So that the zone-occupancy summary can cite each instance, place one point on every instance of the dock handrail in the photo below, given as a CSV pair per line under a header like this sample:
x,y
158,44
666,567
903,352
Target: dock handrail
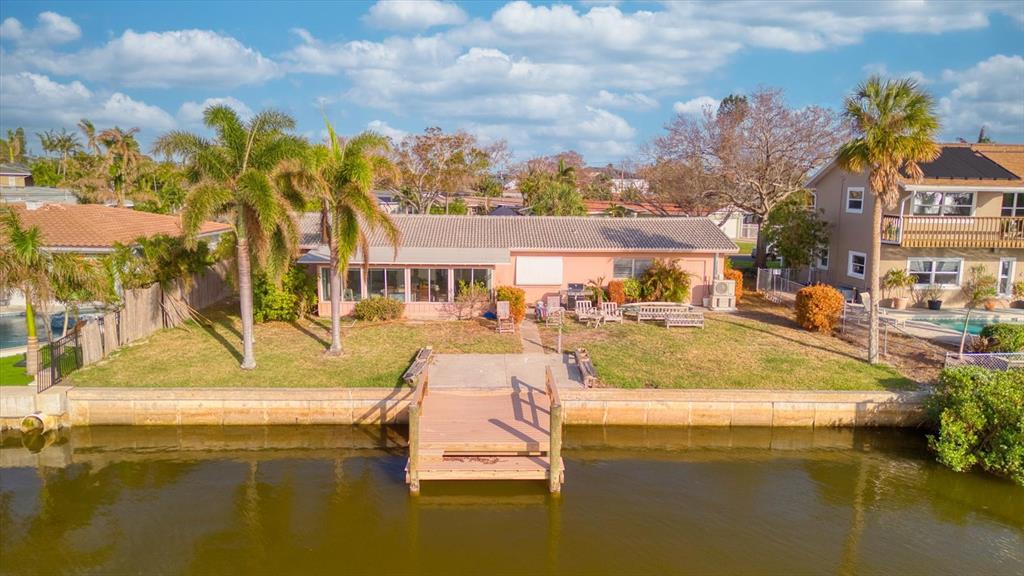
x,y
415,410
555,449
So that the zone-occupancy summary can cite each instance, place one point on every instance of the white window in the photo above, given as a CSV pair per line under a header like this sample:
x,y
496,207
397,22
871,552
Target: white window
x,y
856,264
629,267
539,270
1013,204
940,271
943,204
855,200
821,260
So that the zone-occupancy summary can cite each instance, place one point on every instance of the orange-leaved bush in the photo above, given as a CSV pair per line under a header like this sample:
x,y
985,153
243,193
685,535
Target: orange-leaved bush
x,y
818,307
617,292
517,301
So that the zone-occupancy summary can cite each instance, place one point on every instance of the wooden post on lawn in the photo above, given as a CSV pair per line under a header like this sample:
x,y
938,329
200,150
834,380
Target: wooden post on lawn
x,y
555,423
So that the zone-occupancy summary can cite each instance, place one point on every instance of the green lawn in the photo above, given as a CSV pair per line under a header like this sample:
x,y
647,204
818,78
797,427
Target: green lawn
x,y
287,354
11,375
758,351
745,247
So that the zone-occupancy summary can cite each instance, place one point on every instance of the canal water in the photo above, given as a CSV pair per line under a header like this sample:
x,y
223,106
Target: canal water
x,y
318,500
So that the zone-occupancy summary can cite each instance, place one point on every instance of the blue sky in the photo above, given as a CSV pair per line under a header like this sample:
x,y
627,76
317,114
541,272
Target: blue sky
x,y
601,78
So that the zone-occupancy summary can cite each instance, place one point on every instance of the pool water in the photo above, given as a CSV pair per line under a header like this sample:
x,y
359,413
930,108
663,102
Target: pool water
x,y
974,326
317,500
12,328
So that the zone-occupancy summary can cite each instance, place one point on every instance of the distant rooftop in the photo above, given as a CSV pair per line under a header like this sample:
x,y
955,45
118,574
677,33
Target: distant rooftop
x,y
96,228
965,163
11,194
14,169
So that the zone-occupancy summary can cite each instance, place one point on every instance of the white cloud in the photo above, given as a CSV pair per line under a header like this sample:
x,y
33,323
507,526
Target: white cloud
x,y
191,113
990,94
52,29
881,69
695,106
414,14
157,59
382,127
628,101
36,101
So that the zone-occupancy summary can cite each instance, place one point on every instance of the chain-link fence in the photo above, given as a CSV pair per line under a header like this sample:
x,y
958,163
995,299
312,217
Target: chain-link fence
x,y
996,361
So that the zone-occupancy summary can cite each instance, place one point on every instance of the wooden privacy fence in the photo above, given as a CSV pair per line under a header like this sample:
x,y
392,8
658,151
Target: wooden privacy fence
x,y
146,310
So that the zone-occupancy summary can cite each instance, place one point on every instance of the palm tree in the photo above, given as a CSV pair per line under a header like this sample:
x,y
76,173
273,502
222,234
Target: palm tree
x,y
121,161
65,143
92,144
895,126
39,274
230,176
342,174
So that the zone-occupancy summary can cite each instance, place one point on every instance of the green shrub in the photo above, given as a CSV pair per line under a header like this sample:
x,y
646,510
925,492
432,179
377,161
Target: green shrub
x,y
294,296
517,301
633,289
819,307
664,281
617,292
377,308
1002,338
980,414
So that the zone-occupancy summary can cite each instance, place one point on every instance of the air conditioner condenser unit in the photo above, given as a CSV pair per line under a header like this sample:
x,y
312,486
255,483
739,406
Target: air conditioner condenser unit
x,y
723,295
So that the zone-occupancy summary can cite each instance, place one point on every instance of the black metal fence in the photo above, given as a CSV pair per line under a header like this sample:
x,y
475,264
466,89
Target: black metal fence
x,y
58,359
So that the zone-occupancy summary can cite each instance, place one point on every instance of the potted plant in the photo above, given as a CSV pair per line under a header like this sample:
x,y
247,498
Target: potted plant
x,y
1018,294
898,281
932,296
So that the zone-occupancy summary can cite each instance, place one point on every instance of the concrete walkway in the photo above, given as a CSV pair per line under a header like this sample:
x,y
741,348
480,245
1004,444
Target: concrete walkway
x,y
502,370
529,335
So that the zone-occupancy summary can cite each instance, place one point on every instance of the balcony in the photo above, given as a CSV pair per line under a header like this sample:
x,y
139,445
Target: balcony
x,y
953,231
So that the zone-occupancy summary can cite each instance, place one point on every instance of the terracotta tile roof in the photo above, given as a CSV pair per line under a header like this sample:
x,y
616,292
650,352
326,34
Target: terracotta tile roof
x,y
94,226
555,233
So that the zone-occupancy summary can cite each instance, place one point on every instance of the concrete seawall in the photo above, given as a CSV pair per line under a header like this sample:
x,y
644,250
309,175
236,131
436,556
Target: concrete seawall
x,y
261,406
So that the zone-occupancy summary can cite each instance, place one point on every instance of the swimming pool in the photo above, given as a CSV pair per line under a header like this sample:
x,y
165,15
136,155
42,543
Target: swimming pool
x,y
974,326
12,328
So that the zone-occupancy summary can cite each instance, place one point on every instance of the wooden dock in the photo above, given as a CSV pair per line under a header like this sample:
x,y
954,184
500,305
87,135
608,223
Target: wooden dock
x,y
485,434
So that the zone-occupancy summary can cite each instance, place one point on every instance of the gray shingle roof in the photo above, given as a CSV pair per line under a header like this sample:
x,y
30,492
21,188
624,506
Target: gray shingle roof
x,y
559,233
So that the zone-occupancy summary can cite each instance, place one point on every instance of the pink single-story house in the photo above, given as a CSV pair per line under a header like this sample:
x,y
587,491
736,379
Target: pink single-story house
x,y
540,254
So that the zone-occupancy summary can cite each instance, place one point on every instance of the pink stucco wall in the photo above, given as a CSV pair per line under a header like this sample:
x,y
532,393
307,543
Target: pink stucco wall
x,y
576,268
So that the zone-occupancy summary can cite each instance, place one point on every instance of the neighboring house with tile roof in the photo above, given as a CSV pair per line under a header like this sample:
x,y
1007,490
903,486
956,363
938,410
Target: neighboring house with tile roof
x,y
967,210
541,254
95,229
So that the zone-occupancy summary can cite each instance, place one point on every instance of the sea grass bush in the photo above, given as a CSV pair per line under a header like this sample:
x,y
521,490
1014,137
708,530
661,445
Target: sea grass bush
x,y
1002,338
819,307
980,418
378,308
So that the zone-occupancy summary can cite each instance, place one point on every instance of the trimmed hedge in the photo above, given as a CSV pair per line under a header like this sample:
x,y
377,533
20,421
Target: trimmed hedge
x,y
633,289
378,308
517,301
737,277
1003,338
819,307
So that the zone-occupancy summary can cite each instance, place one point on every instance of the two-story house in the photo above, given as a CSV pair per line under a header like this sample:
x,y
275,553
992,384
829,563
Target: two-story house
x,y
968,210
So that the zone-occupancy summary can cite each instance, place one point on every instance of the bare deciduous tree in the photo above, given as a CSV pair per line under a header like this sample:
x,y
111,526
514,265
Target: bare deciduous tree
x,y
750,154
433,166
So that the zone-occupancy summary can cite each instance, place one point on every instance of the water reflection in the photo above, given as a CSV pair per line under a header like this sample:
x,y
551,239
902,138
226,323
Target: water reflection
x,y
312,500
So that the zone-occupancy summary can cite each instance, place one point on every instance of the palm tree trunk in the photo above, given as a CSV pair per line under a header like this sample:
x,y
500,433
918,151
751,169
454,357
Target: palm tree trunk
x,y
64,328
874,270
335,348
245,302
31,342
963,336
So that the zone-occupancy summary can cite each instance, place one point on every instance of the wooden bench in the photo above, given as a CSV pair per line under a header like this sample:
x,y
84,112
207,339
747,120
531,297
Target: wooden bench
x,y
691,318
418,367
659,312
586,366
